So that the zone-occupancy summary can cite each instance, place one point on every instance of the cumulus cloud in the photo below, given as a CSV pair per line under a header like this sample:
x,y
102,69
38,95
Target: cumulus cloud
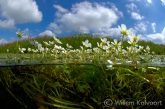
x,y
115,9
112,32
60,10
134,0
25,33
86,16
158,38
131,7
163,2
53,26
153,25
149,1
3,41
133,10
140,27
19,11
136,16
163,32
46,33
7,23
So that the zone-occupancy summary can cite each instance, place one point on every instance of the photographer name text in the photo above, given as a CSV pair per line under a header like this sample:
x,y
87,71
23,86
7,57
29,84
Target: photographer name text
x,y
138,102
109,102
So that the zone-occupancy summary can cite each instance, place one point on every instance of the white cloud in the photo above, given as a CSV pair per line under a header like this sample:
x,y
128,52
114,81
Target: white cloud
x,y
133,0
158,38
26,31
153,25
7,23
141,27
19,11
25,34
25,37
112,32
46,33
53,26
3,41
136,16
163,32
149,1
131,7
163,2
88,17
61,9
115,9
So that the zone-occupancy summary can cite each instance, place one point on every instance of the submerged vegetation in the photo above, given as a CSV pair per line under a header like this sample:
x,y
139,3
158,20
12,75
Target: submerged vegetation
x,y
84,72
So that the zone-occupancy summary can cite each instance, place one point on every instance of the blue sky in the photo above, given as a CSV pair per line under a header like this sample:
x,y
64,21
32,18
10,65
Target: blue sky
x,y
98,17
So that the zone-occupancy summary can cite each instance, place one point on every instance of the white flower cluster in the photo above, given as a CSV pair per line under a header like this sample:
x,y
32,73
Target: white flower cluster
x,y
105,50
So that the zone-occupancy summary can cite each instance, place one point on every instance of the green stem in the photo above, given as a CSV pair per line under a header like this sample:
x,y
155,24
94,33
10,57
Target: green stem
x,y
121,49
136,74
17,51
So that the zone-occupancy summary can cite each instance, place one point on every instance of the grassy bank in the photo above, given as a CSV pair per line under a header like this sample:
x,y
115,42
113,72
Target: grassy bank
x,y
76,41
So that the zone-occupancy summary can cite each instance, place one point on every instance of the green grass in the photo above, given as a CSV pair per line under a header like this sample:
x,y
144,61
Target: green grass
x,y
76,41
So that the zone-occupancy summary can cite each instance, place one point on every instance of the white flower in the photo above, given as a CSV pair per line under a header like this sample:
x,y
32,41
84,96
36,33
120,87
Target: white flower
x,y
61,48
46,43
132,43
147,50
57,40
22,49
87,44
33,50
29,49
41,49
46,49
39,45
111,63
116,44
106,47
133,37
68,46
51,42
56,46
99,45
64,52
96,50
141,47
81,48
123,30
19,33
104,41
88,51
36,43
7,50
128,62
